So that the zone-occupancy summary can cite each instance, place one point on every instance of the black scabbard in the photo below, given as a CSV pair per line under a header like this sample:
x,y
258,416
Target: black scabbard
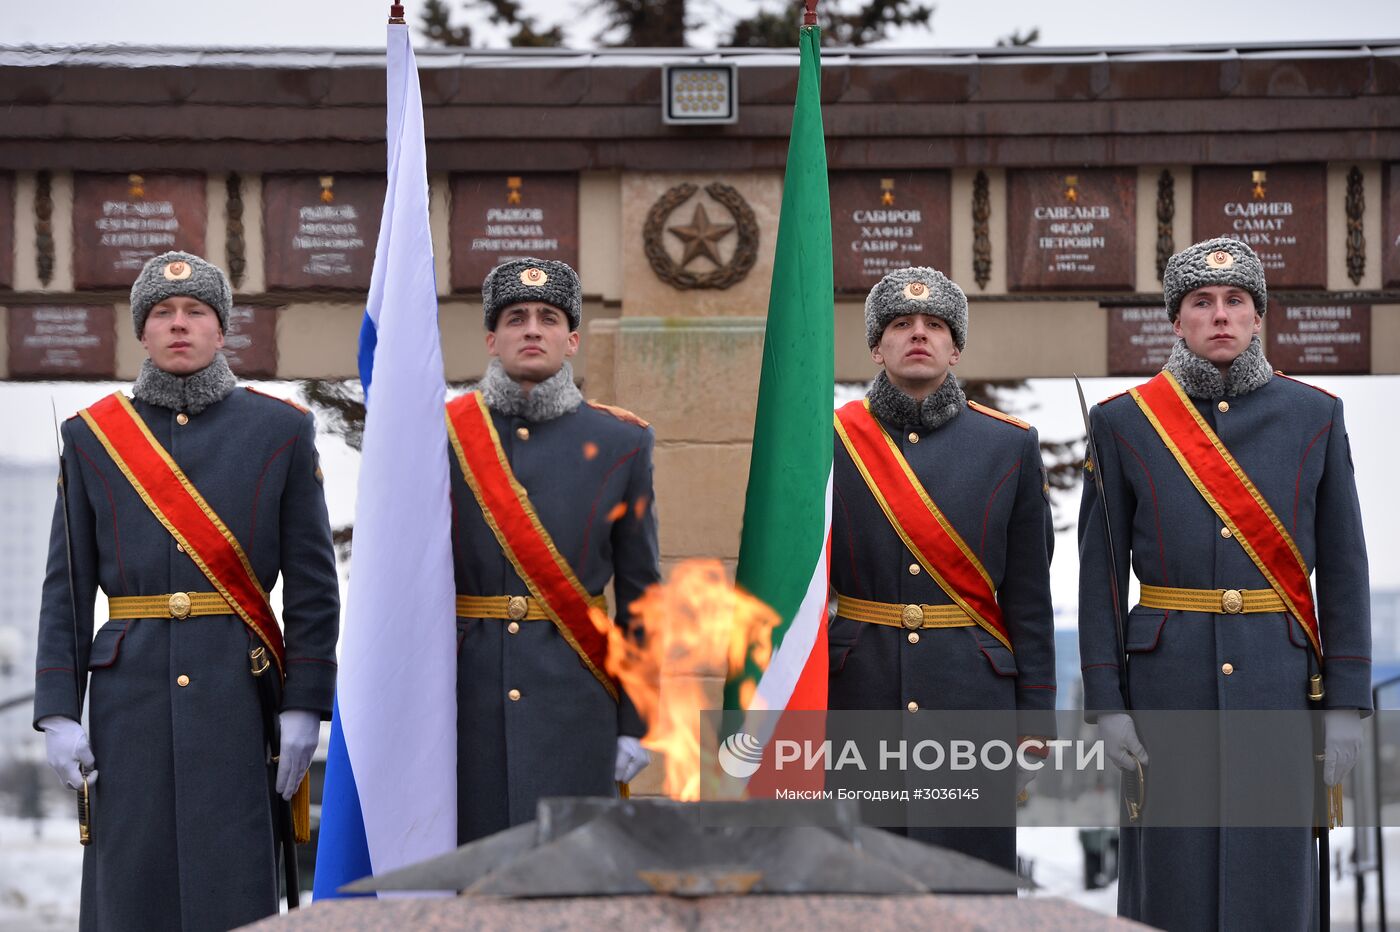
x,y
270,703
79,673
1138,781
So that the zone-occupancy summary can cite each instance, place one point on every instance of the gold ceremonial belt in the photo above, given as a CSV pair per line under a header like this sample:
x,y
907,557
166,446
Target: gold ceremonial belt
x,y
1219,601
902,616
512,607
177,605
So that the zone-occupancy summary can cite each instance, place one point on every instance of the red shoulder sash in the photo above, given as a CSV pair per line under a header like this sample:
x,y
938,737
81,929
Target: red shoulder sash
x,y
506,507
177,504
1230,493
949,561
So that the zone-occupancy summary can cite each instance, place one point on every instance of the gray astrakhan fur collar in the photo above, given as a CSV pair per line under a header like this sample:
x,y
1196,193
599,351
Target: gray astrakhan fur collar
x,y
1200,379
894,407
552,398
191,393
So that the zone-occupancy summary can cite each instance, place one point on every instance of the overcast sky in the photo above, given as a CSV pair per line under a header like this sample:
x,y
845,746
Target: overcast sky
x,y
956,23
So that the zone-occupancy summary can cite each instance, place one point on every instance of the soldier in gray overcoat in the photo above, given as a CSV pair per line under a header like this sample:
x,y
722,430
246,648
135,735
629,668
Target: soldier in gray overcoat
x,y
178,762
983,471
1290,439
532,719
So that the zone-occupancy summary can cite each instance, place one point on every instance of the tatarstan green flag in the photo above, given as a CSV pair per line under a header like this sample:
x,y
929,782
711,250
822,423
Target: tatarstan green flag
x,y
784,553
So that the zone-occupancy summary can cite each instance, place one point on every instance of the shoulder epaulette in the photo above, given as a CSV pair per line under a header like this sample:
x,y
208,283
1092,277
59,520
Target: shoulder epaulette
x,y
622,414
1308,384
993,412
1111,397
285,401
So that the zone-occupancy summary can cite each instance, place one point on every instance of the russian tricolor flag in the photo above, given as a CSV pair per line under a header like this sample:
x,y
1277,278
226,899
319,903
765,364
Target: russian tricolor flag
x,y
390,796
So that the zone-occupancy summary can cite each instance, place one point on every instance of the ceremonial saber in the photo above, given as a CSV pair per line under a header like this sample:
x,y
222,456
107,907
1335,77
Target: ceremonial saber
x,y
1136,800
84,796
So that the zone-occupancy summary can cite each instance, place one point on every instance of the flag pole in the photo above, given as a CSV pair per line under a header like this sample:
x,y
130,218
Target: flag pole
x,y
396,14
809,18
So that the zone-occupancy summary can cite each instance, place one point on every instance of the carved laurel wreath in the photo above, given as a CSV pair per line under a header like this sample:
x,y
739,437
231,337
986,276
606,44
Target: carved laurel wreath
x,y
666,268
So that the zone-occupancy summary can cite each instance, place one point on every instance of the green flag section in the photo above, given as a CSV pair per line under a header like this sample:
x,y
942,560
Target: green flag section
x,y
784,553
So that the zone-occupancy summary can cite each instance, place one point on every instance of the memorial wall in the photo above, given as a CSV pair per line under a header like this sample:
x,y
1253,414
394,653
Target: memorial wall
x,y
1071,240
1052,185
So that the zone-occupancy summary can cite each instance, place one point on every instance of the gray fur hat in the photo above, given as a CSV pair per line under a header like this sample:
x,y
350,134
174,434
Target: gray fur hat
x,y
180,273
916,290
529,279
1219,261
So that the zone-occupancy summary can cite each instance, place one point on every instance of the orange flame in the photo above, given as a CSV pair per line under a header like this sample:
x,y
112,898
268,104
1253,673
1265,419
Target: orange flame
x,y
698,630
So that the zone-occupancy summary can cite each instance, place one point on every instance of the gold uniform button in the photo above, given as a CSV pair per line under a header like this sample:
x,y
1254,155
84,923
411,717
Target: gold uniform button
x,y
913,706
913,637
180,547
914,569
913,437
1227,668
182,419
182,680
513,627
523,433
1225,533
1223,407
514,695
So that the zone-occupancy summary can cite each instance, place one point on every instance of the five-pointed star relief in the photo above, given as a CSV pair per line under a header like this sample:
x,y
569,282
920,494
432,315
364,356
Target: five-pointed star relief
x,y
701,236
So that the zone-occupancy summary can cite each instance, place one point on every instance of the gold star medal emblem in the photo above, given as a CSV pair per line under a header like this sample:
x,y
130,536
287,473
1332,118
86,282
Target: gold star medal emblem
x,y
533,277
917,291
177,271
1220,259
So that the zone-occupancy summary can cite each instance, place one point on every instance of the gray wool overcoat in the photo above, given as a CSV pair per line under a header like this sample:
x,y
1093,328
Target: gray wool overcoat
x,y
985,475
588,475
1291,439
182,818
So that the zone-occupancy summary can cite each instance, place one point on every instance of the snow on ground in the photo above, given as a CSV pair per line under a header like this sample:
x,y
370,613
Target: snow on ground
x,y
40,874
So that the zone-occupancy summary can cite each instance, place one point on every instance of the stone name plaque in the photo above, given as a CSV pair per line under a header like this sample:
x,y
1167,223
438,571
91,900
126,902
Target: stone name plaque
x,y
320,230
498,217
1139,340
120,221
7,230
63,342
881,221
250,345
1071,229
1319,339
1279,210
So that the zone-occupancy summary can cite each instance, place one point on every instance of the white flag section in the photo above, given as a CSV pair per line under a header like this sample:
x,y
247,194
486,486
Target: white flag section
x,y
391,781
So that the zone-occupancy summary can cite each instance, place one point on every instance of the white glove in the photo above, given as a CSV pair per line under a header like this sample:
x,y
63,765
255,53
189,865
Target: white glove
x,y
301,730
1342,728
69,753
1024,778
1120,740
631,758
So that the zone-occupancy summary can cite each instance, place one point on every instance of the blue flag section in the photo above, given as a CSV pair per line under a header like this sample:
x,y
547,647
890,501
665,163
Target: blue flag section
x,y
390,795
